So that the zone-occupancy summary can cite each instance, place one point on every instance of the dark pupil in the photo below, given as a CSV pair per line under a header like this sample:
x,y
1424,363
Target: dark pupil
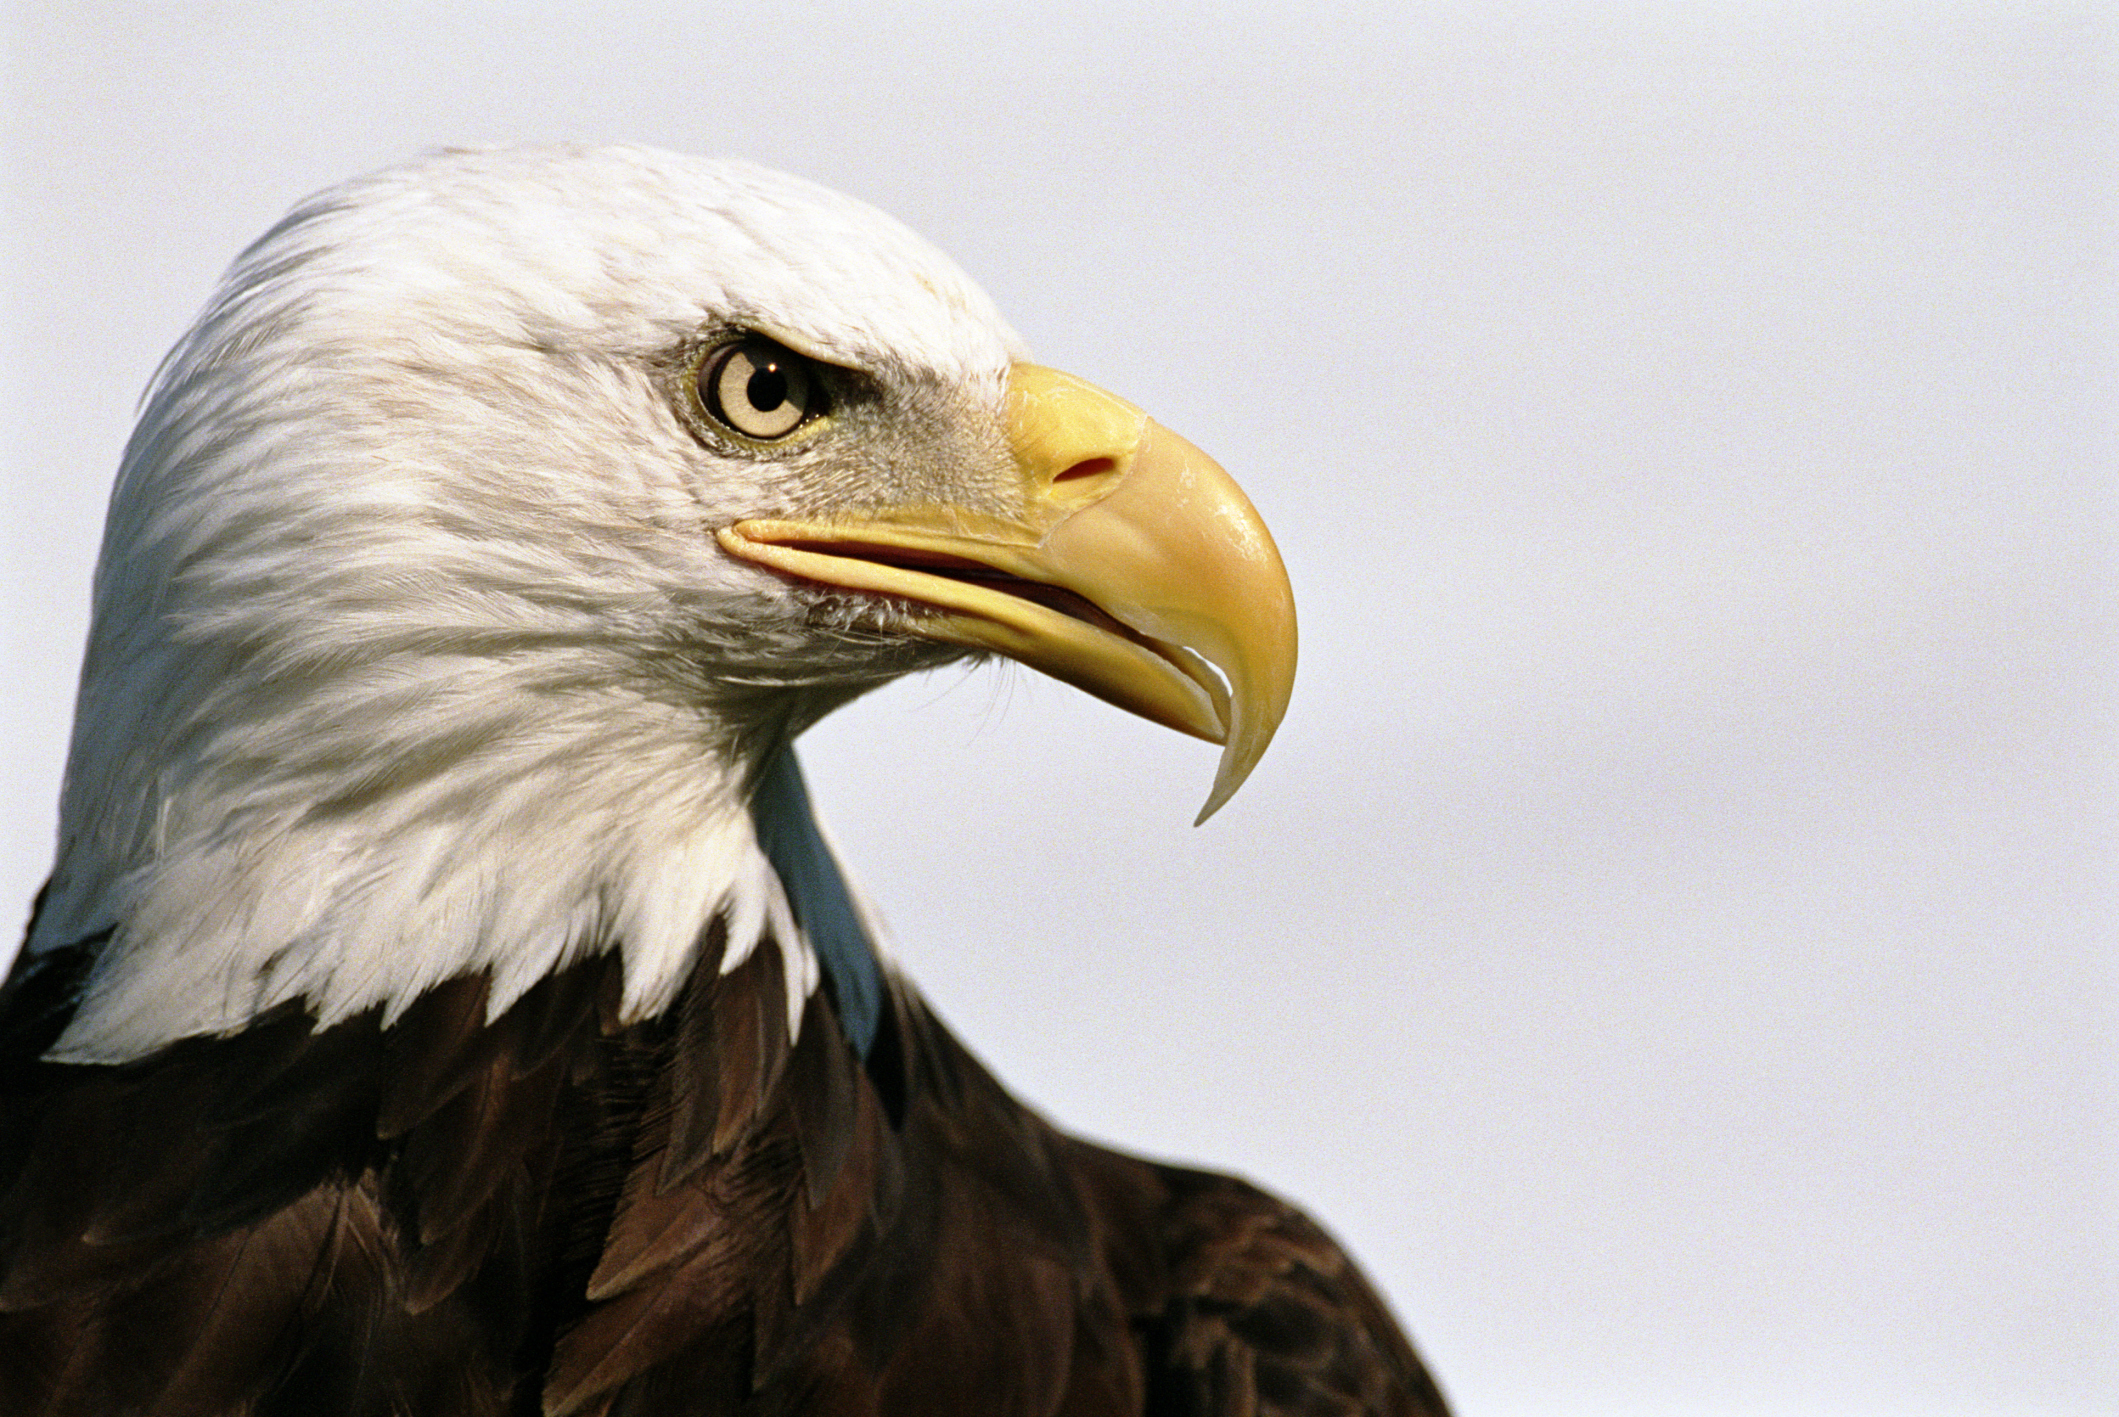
x,y
767,389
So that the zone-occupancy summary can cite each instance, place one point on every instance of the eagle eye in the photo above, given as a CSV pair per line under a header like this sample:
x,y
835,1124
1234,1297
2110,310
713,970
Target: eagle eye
x,y
759,389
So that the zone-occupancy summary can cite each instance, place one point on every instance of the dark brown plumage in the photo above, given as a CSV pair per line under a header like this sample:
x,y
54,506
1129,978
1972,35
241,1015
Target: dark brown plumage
x,y
556,1214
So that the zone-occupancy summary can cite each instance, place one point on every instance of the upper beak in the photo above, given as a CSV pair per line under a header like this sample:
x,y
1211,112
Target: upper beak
x,y
1132,564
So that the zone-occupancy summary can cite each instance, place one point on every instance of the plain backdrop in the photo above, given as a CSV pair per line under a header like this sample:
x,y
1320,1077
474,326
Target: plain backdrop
x,y
1672,940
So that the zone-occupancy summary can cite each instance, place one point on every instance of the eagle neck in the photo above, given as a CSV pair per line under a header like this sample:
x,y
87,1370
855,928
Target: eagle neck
x,y
608,835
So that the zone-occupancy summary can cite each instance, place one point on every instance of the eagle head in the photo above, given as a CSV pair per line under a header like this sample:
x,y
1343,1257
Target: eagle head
x,y
505,514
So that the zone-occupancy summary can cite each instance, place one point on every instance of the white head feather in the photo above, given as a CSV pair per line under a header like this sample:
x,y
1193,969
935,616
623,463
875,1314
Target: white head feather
x,y
413,651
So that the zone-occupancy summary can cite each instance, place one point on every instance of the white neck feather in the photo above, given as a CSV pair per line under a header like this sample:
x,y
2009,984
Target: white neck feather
x,y
513,860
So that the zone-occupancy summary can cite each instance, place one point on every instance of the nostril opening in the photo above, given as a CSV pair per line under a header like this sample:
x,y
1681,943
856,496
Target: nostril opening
x,y
1087,467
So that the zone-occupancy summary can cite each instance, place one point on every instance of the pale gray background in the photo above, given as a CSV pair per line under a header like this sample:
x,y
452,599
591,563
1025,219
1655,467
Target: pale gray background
x,y
1672,938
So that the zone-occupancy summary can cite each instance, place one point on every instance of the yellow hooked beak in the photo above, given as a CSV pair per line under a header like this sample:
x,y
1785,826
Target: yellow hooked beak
x,y
1133,564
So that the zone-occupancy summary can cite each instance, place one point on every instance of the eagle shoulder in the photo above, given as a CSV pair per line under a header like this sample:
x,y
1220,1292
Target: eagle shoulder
x,y
553,1211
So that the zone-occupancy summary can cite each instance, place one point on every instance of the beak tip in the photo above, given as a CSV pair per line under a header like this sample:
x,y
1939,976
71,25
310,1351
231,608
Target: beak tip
x,y
1244,746
1225,785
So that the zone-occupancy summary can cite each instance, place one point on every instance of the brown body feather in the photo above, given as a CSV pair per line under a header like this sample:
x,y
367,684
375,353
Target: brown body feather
x,y
554,1214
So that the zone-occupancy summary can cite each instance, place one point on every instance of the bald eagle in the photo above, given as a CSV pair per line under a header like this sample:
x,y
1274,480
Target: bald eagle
x,y
443,1001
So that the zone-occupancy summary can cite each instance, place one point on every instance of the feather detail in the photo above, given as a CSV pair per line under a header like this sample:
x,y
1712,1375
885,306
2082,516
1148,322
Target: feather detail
x,y
855,1203
821,1083
695,1082
430,1052
239,1296
750,1035
1267,1315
